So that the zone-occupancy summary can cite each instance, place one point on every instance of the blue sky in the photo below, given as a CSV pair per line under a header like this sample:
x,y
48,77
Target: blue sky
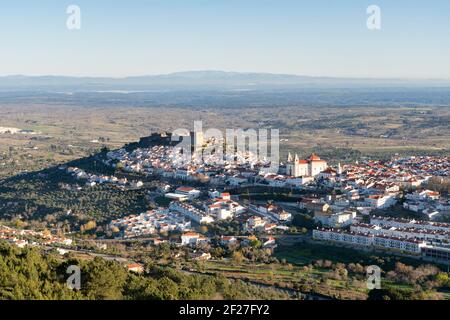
x,y
138,37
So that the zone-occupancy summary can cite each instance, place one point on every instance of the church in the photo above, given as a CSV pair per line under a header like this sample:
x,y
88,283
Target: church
x,y
310,167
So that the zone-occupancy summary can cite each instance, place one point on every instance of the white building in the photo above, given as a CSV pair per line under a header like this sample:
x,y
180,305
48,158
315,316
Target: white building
x,y
298,181
381,201
192,239
402,244
177,197
255,222
310,167
274,211
335,220
191,193
341,236
193,213
410,223
224,209
408,233
410,246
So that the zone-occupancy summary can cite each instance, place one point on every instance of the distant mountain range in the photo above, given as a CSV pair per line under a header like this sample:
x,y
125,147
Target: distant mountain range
x,y
203,80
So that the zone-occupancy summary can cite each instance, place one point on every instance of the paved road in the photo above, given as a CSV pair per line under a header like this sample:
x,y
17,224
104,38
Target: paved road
x,y
93,254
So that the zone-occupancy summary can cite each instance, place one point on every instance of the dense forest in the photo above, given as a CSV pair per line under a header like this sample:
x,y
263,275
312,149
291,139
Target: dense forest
x,y
27,274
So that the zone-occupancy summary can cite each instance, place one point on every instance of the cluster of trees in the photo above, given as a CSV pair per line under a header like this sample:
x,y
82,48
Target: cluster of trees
x,y
254,255
439,184
225,228
404,282
422,277
26,274
39,197
303,220
392,293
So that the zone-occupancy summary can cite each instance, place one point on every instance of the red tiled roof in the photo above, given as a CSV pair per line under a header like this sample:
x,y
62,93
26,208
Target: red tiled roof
x,y
191,234
185,189
314,157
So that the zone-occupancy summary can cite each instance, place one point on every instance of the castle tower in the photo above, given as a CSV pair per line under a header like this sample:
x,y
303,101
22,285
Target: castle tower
x,y
197,139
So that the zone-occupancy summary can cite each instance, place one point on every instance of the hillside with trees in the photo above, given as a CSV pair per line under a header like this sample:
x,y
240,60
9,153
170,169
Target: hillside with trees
x,y
27,274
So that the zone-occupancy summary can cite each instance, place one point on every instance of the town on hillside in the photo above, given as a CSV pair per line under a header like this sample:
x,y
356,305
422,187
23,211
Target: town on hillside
x,y
386,206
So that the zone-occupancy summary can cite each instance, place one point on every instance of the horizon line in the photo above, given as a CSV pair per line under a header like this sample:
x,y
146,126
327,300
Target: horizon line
x,y
226,72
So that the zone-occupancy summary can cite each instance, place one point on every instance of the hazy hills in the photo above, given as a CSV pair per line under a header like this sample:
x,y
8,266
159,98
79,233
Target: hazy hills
x,y
221,89
203,80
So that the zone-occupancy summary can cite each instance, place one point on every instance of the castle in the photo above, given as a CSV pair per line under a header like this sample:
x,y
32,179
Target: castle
x,y
310,167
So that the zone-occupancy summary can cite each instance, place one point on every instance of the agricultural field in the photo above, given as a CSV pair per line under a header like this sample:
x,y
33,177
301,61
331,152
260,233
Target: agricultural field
x,y
57,133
